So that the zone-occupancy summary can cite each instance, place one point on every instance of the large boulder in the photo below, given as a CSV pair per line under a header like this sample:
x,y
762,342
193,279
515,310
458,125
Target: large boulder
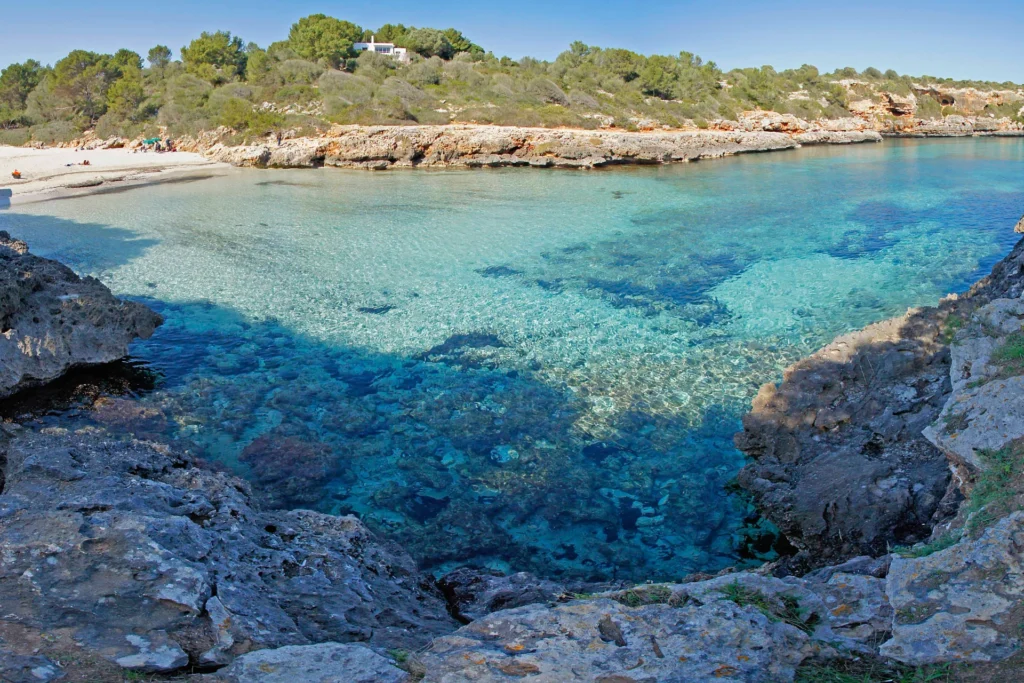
x,y
985,410
51,320
136,556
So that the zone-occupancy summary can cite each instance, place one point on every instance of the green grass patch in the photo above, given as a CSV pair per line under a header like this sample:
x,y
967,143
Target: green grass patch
x,y
1009,357
925,549
950,326
785,609
956,422
645,595
870,671
999,488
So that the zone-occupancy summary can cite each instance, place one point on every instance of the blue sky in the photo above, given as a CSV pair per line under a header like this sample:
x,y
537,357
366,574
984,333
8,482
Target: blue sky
x,y
978,40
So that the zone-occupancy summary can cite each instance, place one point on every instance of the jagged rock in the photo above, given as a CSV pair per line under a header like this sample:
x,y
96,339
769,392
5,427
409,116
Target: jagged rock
x,y
132,553
725,628
322,663
985,410
949,126
52,320
854,594
474,593
839,461
963,603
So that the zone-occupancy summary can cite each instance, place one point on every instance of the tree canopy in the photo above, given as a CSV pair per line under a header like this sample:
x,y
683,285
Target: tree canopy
x,y
215,56
320,37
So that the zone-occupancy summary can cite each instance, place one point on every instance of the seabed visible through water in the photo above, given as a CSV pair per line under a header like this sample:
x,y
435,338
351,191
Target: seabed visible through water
x,y
526,370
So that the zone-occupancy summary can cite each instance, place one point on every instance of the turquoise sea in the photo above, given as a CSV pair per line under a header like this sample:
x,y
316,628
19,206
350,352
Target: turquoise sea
x,y
522,369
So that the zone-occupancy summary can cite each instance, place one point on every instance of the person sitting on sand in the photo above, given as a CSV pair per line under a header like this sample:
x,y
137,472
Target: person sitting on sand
x,y
16,174
85,162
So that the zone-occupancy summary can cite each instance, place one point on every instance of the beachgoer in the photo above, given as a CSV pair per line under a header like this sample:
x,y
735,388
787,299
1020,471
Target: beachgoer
x,y
85,163
16,174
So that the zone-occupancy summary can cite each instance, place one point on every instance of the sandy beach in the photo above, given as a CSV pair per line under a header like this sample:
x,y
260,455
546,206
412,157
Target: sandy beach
x,y
50,172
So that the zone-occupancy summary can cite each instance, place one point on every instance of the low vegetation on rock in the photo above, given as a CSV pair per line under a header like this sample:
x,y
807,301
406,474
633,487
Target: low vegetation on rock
x,y
317,77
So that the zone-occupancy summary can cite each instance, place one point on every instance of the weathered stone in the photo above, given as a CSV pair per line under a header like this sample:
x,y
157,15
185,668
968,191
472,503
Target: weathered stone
x,y
985,410
153,653
132,553
474,593
964,603
741,627
322,663
52,320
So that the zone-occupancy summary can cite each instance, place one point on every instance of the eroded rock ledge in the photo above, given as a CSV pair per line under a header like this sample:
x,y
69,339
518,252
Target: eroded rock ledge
x,y
382,147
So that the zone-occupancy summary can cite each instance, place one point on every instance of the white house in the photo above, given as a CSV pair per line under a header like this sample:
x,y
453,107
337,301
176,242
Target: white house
x,y
399,53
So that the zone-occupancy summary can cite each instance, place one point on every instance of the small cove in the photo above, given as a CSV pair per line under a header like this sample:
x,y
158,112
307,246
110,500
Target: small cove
x,y
528,370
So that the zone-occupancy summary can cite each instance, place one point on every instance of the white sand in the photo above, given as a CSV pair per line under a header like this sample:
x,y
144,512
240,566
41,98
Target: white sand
x,y
45,172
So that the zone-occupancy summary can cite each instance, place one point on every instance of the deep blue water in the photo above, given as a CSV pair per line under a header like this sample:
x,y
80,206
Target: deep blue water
x,y
523,369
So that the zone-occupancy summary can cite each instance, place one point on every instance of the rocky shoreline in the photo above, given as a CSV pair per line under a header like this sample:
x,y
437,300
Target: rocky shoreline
x,y
891,459
475,146
386,147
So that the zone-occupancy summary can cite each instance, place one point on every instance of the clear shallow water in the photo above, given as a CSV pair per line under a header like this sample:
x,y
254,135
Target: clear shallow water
x,y
524,369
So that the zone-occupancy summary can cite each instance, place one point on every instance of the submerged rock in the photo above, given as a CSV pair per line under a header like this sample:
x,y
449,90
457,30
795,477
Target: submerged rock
x,y
132,553
51,320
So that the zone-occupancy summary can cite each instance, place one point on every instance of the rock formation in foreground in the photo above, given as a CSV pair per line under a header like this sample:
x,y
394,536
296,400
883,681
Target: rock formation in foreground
x,y
129,555
51,320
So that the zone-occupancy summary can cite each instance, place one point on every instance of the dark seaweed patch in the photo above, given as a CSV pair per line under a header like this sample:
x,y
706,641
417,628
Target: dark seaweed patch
x,y
376,310
498,271
424,507
457,342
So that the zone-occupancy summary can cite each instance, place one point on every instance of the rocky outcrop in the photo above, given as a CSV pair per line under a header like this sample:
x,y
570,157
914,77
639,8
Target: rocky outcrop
x,y
475,593
51,320
382,147
841,456
839,462
964,603
985,411
136,556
